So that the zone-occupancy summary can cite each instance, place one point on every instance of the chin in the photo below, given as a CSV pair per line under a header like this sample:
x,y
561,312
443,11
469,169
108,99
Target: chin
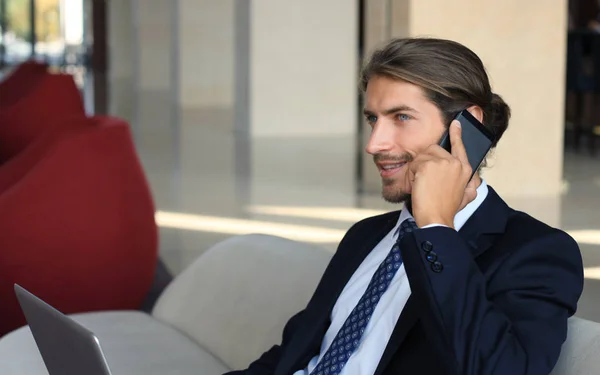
x,y
394,194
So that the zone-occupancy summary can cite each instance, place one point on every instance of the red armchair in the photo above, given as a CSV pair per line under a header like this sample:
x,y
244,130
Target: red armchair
x,y
18,82
77,225
33,101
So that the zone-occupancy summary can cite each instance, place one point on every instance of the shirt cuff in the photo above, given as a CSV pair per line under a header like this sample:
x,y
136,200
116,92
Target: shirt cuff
x,y
434,225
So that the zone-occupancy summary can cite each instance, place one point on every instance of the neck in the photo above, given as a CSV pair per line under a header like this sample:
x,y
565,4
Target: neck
x,y
477,179
408,205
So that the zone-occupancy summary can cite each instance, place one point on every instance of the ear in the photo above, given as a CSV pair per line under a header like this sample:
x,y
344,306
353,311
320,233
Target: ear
x,y
477,112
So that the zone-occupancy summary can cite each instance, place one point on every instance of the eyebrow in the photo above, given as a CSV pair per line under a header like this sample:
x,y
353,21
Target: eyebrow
x,y
390,111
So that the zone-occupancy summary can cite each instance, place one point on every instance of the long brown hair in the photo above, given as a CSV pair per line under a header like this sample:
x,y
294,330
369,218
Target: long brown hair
x,y
452,76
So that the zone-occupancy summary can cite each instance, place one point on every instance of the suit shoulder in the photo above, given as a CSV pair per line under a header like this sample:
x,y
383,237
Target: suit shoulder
x,y
528,228
550,253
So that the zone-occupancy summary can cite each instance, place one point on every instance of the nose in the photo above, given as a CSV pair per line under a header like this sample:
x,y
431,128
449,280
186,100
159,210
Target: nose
x,y
381,140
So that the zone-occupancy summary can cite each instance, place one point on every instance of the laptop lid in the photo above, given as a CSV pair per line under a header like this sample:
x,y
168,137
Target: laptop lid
x,y
67,347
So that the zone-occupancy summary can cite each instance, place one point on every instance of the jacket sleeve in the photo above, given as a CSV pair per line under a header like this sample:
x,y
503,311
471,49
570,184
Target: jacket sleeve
x,y
267,363
512,322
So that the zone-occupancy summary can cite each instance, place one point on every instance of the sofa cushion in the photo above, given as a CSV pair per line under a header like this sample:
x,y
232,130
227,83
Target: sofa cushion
x,y
580,353
133,343
235,299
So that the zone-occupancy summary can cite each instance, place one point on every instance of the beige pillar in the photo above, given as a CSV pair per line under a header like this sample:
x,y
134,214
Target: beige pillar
x,y
142,90
523,46
303,63
206,62
121,55
142,43
378,24
155,46
296,98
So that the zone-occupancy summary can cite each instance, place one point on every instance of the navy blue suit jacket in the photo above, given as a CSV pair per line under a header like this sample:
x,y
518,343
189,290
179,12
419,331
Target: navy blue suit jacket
x,y
496,303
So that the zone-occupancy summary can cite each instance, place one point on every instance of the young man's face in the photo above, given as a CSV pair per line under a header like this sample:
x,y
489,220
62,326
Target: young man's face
x,y
403,124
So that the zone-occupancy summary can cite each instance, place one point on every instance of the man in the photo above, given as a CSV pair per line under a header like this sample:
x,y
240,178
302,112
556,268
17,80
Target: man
x,y
455,283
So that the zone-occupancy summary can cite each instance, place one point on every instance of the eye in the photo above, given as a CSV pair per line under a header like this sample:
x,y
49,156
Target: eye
x,y
371,119
403,117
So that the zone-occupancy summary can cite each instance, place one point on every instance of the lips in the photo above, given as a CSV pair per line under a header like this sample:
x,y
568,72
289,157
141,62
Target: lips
x,y
392,166
387,170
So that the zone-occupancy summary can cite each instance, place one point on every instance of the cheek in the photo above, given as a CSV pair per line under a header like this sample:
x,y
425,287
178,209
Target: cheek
x,y
417,140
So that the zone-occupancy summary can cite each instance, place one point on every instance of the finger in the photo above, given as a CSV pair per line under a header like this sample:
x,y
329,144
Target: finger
x,y
409,179
457,145
415,165
424,156
437,151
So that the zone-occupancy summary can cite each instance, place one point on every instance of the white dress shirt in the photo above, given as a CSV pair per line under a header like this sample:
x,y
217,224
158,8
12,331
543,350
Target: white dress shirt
x,y
365,359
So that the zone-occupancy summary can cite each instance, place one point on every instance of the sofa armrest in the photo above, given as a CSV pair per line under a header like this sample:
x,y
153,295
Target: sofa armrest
x,y
580,354
235,299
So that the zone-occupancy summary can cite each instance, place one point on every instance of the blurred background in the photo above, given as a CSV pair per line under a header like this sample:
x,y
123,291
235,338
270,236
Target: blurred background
x,y
246,115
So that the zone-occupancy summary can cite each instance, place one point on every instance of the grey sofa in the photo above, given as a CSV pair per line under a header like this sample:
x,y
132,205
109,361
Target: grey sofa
x,y
226,309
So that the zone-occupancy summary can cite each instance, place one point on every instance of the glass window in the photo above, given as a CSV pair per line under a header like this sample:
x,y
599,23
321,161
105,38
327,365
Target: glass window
x,y
52,31
2,22
16,38
49,40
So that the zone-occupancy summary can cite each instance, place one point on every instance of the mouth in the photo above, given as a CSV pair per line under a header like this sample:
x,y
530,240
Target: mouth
x,y
387,170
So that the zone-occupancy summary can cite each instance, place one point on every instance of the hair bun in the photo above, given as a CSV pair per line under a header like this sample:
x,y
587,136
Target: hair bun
x,y
499,116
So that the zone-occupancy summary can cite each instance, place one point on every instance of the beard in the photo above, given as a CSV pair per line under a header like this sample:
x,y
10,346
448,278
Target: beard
x,y
392,195
391,191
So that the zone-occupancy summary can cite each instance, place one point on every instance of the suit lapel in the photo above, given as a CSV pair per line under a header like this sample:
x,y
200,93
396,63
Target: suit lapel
x,y
358,252
347,260
489,219
408,318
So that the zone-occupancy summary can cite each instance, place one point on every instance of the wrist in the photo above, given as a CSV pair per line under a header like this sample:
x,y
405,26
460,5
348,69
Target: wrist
x,y
431,220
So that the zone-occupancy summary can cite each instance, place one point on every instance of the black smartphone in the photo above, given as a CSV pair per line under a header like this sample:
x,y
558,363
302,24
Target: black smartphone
x,y
478,140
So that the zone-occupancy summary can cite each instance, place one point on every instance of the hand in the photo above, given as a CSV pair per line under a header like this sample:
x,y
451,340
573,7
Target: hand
x,y
439,182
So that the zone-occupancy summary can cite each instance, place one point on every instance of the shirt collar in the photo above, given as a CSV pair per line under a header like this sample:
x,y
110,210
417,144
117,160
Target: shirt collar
x,y
462,216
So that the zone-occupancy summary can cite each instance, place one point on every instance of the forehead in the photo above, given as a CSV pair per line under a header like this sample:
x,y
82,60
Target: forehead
x,y
383,92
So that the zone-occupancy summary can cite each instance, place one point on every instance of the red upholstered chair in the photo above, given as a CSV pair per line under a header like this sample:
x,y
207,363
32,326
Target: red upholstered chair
x,y
33,101
77,225
20,81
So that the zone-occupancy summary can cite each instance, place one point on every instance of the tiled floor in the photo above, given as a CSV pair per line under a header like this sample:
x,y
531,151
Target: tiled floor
x,y
210,183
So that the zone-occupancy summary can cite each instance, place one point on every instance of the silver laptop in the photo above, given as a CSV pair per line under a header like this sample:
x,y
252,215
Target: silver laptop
x,y
67,347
